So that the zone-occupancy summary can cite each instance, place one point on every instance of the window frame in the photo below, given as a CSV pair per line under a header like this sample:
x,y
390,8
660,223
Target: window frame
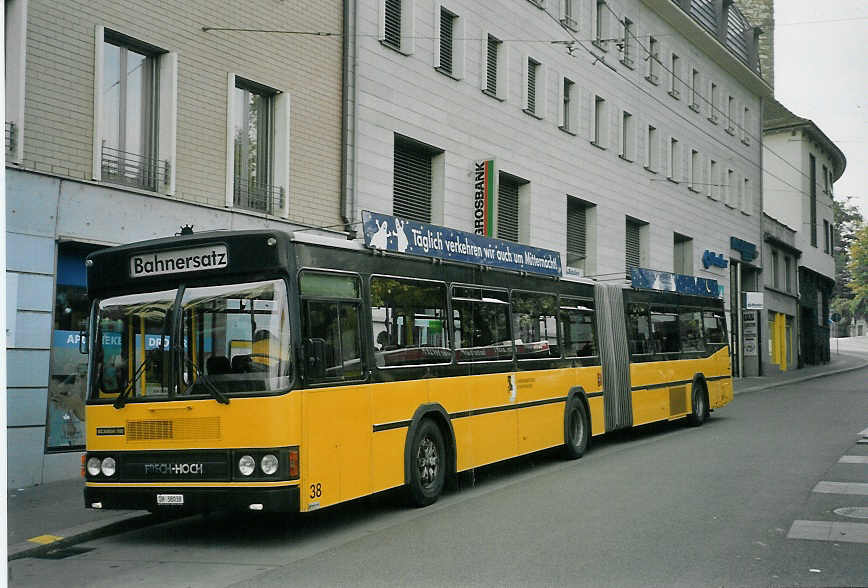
x,y
520,291
584,359
454,338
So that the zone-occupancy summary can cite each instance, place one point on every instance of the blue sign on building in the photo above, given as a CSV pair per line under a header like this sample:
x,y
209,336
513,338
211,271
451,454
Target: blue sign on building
x,y
656,280
390,233
710,258
747,250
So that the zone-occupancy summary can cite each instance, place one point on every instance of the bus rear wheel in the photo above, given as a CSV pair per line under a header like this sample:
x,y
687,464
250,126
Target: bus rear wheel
x,y
700,406
576,429
427,464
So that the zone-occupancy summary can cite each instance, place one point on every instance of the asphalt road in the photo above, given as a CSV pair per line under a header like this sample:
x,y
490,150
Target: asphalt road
x,y
665,505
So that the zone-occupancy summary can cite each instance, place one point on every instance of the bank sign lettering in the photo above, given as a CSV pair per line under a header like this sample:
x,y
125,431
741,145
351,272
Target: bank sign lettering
x,y
197,259
483,198
389,233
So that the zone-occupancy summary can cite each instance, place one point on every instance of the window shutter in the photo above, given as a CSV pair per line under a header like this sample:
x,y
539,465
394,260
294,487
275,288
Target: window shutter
x,y
412,183
446,21
531,85
507,209
393,23
491,66
576,233
633,251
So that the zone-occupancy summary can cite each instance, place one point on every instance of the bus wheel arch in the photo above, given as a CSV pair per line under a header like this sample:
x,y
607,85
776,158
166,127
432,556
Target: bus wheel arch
x,y
699,406
577,424
420,432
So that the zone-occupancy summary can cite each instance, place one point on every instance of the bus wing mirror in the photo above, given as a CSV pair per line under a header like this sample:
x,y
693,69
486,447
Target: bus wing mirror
x,y
314,358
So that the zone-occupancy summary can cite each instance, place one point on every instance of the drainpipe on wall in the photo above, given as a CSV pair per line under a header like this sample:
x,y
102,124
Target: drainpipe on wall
x,y
348,187
740,323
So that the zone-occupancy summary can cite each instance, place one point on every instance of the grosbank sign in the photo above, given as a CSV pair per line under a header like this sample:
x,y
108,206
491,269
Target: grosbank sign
x,y
196,259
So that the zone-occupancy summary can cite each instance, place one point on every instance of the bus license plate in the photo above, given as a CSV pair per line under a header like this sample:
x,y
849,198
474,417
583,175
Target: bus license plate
x,y
170,499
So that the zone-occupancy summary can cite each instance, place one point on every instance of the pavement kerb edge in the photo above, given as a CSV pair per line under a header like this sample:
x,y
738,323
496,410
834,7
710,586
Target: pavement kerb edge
x,y
800,379
84,532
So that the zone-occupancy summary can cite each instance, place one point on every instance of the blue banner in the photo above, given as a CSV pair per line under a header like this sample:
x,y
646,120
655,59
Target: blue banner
x,y
390,233
655,280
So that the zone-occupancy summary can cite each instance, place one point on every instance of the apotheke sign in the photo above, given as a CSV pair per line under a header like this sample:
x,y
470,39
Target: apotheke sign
x,y
179,261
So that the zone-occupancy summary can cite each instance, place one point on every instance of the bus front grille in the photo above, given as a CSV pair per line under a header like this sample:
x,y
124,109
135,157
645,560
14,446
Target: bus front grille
x,y
174,430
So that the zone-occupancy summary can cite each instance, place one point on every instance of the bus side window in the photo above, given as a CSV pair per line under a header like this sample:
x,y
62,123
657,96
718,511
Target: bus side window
x,y
715,330
578,328
639,332
534,325
690,330
664,326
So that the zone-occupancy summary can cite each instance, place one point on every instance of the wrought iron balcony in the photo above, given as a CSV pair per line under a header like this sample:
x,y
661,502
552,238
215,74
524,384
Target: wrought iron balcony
x,y
260,197
131,169
11,131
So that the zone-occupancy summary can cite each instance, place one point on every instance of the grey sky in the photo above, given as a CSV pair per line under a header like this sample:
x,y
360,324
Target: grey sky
x,y
821,73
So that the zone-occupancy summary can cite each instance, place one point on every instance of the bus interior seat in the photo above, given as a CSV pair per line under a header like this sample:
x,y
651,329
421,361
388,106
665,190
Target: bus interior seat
x,y
241,363
217,365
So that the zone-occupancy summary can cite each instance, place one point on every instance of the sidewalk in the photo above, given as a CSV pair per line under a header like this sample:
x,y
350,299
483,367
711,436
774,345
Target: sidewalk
x,y
52,516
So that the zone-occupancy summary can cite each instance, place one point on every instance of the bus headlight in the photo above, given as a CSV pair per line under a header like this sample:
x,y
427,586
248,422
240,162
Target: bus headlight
x,y
246,465
108,467
93,466
268,464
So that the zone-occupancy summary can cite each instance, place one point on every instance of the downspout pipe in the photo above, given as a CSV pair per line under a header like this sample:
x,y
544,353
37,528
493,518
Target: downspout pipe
x,y
347,188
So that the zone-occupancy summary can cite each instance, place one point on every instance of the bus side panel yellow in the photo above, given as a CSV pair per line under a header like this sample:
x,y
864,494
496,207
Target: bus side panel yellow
x,y
495,435
397,401
542,426
598,415
387,459
650,405
337,447
455,396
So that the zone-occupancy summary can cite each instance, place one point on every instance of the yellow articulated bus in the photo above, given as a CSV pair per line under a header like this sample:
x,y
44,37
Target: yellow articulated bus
x,y
266,371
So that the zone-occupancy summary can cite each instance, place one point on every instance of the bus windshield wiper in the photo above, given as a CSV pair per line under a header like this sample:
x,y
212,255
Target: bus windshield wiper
x,y
205,380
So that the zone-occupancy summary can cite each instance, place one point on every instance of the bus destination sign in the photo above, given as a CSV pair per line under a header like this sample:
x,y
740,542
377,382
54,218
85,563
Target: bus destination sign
x,y
196,259
389,233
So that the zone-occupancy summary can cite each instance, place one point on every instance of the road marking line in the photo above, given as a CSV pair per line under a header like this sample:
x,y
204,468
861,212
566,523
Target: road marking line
x,y
854,459
842,488
829,531
45,539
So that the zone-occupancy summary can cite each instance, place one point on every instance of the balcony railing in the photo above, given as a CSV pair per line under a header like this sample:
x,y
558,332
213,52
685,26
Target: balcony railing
x,y
10,136
260,197
724,21
131,169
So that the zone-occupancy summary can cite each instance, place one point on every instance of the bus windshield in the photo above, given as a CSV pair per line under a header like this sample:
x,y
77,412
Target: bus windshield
x,y
231,339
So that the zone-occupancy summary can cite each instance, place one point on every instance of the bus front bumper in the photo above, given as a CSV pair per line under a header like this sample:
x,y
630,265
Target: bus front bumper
x,y
192,499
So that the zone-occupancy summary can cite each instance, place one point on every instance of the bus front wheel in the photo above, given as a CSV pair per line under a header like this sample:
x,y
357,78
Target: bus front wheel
x,y
427,464
576,429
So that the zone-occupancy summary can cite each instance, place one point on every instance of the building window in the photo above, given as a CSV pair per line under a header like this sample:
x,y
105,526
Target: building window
x,y
534,102
447,25
627,43
601,19
494,85
674,160
713,180
813,198
826,236
653,60
397,26
682,255
130,127
694,90
580,227
568,106
788,272
695,170
509,206
633,245
675,76
826,180
745,125
259,175
600,120
713,102
652,149
413,179
730,115
747,197
627,135
730,188
775,270
568,14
